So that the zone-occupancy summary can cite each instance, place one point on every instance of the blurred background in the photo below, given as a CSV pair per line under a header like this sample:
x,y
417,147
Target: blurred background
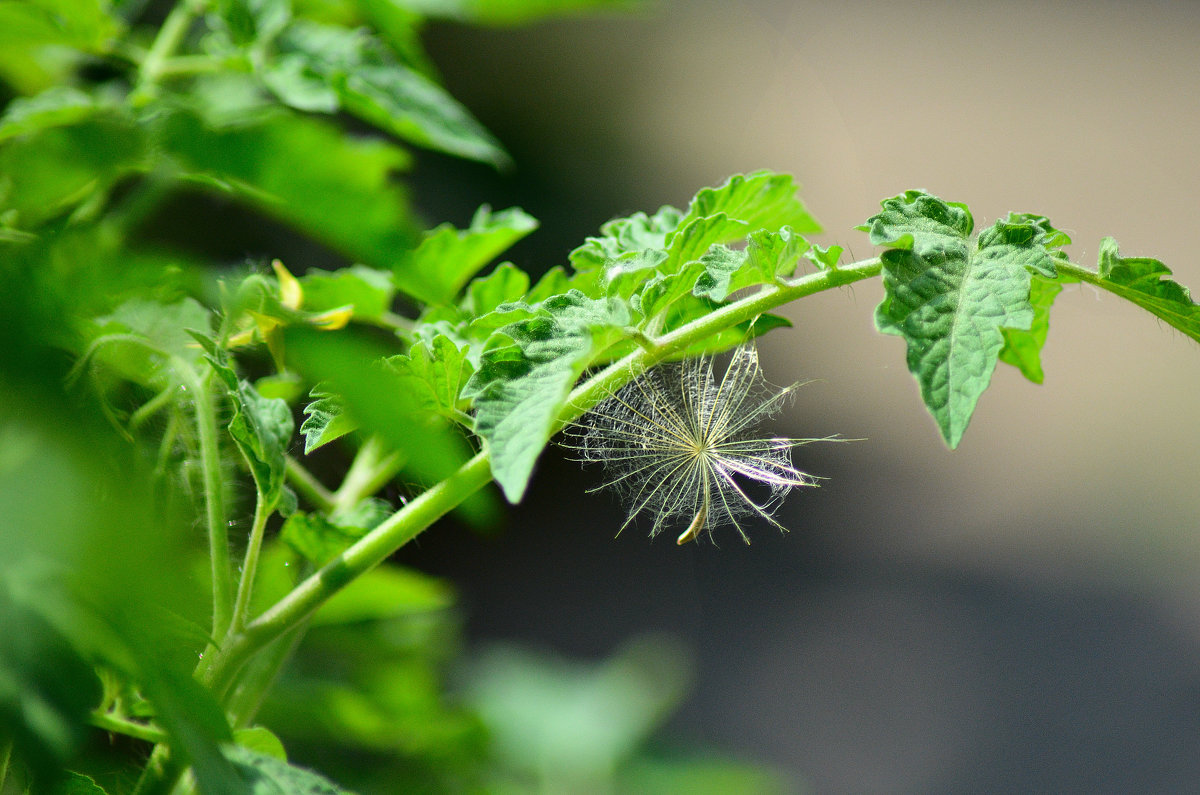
x,y
1022,614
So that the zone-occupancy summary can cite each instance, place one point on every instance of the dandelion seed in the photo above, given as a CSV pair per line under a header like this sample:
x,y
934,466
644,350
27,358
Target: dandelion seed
x,y
680,445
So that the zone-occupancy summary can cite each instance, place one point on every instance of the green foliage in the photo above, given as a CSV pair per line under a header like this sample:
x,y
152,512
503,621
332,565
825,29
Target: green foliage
x,y
1143,281
149,390
951,298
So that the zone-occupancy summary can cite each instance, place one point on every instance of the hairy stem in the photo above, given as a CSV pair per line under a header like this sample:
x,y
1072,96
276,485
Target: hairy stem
x,y
241,607
214,498
431,505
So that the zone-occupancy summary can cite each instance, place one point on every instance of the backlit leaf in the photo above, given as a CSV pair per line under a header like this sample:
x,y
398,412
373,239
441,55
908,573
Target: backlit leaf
x,y
437,269
950,298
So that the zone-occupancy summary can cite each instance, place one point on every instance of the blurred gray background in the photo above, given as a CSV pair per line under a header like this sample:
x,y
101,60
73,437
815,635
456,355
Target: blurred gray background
x,y
1022,614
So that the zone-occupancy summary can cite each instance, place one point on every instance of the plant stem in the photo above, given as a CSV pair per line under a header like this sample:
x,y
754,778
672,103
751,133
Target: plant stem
x,y
368,552
308,487
113,723
241,607
170,36
435,502
214,498
372,468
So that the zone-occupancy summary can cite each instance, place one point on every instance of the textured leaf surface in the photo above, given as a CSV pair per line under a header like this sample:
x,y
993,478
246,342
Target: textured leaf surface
x,y
950,298
1144,282
662,259
261,428
447,258
526,374
435,371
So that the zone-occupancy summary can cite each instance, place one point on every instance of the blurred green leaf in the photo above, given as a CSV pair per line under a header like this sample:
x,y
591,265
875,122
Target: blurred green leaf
x,y
261,740
436,270
359,75
385,592
319,539
267,775
144,340
351,365
369,291
569,726
78,784
81,24
250,22
53,169
59,106
337,189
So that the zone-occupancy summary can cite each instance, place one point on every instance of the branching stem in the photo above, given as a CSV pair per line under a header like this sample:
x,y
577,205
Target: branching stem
x,y
435,502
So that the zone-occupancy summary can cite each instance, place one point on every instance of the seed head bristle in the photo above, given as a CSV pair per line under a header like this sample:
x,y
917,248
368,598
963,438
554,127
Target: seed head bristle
x,y
679,444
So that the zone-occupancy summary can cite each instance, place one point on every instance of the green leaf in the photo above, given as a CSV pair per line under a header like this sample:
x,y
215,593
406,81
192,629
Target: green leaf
x,y
46,688
622,236
744,204
338,189
435,371
374,396
59,106
1023,349
447,258
951,299
261,740
669,255
359,72
548,713
268,775
526,373
824,258
81,24
79,784
140,336
262,429
326,419
506,284
50,170
369,291
1144,281
250,22
921,223
317,538
383,593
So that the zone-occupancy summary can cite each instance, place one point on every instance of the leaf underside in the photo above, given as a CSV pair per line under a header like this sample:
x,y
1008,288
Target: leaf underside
x,y
953,299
